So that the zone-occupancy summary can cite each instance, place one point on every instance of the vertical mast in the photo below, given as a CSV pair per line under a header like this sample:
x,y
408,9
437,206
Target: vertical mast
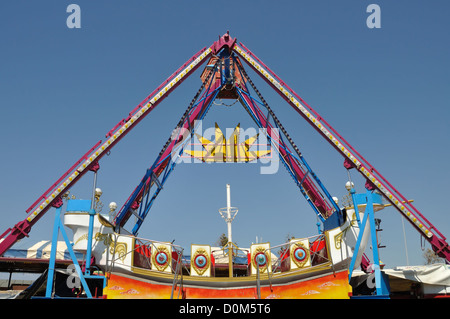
x,y
228,213
228,220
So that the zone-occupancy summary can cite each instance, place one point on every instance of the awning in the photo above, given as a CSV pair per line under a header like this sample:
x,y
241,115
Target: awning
x,y
436,274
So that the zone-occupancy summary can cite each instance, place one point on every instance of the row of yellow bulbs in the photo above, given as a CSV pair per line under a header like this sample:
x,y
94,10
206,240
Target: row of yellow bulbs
x,y
119,132
341,147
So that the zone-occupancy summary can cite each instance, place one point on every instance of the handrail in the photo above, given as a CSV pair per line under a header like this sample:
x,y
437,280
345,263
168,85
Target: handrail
x,y
235,248
178,270
225,249
229,246
147,242
276,265
177,267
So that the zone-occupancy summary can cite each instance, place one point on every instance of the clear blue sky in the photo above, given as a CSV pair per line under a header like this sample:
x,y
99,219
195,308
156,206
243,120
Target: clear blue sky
x,y
385,90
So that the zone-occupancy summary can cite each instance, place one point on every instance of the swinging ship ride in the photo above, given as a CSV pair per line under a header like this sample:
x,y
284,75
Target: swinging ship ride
x,y
312,267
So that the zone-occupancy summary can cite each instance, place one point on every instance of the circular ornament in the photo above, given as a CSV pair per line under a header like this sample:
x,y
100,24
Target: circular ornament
x,y
261,259
299,254
161,259
200,261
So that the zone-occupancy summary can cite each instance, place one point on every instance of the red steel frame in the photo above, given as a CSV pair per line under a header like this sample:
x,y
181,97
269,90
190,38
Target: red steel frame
x,y
90,160
52,197
352,158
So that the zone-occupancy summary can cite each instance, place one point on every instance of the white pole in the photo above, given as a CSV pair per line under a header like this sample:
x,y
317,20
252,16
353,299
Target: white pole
x,y
228,213
404,238
230,239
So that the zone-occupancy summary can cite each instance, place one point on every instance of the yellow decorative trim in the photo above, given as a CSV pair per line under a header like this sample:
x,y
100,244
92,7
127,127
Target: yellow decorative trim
x,y
338,239
155,275
84,237
121,248
354,221
231,150
106,238
104,222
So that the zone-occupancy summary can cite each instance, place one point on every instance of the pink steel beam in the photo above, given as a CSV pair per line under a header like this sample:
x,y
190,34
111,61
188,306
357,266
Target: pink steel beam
x,y
22,229
52,197
65,175
352,158
159,88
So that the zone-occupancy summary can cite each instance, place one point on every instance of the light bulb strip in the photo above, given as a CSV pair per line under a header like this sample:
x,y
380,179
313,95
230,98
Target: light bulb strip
x,y
334,140
43,206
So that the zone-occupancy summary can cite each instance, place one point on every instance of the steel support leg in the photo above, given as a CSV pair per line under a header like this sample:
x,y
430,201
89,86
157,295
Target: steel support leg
x,y
57,227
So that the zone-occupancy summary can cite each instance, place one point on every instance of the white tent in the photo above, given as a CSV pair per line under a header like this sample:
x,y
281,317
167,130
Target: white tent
x,y
41,250
434,278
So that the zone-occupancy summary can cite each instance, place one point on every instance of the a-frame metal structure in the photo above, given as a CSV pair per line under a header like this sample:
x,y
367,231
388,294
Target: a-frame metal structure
x,y
225,77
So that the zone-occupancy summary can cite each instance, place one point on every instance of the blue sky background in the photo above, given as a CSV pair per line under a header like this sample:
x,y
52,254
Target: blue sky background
x,y
385,90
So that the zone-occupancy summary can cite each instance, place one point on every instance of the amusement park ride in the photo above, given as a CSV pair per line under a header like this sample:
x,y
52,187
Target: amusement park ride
x,y
156,269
